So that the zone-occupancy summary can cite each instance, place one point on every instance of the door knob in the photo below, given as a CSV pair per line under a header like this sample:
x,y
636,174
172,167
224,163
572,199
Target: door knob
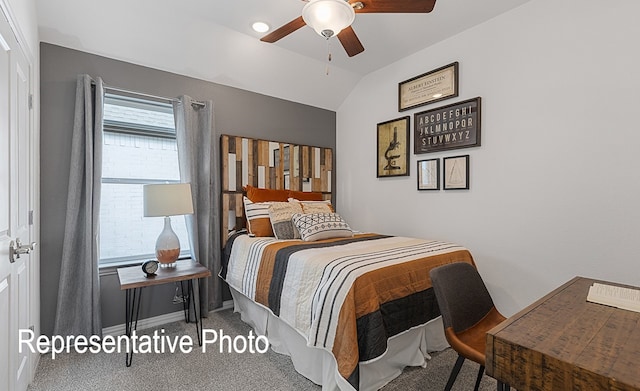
x,y
16,249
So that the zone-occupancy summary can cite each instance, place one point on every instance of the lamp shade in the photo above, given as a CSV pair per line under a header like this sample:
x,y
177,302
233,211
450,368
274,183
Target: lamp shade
x,y
328,17
168,199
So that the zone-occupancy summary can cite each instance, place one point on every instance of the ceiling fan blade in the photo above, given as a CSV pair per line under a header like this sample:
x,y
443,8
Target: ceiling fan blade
x,y
395,6
284,30
350,41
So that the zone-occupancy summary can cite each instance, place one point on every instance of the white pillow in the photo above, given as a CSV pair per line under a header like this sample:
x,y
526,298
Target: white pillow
x,y
257,213
317,226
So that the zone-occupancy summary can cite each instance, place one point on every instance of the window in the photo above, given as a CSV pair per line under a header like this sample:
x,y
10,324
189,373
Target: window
x,y
139,148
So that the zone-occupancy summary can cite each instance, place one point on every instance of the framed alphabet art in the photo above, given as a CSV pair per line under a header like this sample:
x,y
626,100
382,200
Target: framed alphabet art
x,y
448,127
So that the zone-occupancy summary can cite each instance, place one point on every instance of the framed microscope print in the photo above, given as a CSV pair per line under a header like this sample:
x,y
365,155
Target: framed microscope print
x,y
393,148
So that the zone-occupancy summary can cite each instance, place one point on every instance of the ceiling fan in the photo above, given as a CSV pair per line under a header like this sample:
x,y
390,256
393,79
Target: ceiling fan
x,y
331,17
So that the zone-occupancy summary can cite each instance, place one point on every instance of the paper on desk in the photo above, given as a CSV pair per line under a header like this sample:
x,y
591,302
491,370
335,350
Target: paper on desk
x,y
615,296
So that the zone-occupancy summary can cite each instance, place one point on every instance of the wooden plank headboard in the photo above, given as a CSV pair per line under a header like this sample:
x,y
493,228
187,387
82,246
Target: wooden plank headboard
x,y
270,165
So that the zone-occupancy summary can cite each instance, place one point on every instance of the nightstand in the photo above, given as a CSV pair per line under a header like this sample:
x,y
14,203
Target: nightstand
x,y
132,280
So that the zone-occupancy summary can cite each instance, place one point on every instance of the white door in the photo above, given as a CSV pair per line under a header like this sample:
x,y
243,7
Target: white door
x,y
16,186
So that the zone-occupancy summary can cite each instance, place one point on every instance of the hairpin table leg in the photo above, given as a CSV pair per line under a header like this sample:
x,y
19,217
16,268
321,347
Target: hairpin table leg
x,y
132,311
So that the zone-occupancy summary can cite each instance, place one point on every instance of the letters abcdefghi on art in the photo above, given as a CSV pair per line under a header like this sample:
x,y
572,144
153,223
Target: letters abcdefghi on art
x,y
448,127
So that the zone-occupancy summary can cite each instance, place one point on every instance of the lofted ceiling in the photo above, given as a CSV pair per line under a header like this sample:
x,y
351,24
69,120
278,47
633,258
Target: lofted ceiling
x,y
213,40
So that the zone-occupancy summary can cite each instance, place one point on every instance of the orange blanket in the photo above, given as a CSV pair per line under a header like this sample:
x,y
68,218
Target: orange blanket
x,y
347,296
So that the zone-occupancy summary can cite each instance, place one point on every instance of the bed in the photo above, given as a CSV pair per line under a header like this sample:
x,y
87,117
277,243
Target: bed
x,y
352,310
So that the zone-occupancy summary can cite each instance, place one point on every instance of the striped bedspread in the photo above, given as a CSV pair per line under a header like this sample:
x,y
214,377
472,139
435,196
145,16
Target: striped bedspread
x,y
347,296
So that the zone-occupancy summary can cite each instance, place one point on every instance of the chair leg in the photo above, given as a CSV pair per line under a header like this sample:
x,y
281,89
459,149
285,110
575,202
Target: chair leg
x,y
454,373
503,387
480,373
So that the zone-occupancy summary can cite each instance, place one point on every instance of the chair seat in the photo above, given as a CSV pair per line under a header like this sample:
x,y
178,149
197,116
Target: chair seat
x,y
472,342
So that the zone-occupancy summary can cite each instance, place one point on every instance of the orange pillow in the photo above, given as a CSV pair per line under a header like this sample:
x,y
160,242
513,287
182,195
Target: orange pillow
x,y
306,195
257,213
256,194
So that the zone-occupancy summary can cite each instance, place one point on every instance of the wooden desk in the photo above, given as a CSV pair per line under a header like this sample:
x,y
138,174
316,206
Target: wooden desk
x,y
132,279
563,342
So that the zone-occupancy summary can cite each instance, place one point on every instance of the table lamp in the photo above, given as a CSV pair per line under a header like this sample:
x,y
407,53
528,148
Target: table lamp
x,y
166,200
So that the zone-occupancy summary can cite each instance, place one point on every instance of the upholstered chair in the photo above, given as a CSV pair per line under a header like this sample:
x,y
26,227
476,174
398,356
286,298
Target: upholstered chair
x,y
467,312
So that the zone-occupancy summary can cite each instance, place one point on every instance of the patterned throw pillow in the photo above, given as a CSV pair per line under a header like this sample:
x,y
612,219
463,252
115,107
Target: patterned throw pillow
x,y
314,206
257,213
280,214
317,226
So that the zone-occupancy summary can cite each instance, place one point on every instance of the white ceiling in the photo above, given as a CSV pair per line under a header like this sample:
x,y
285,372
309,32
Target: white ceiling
x,y
213,40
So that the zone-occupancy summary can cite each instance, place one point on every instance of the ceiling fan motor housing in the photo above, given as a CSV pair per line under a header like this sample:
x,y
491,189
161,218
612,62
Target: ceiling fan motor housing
x,y
327,33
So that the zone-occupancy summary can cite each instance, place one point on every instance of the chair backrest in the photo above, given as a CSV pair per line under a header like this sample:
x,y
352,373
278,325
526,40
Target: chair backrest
x,y
461,294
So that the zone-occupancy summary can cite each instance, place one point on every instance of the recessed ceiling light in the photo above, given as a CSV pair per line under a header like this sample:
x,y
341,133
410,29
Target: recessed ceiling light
x,y
260,27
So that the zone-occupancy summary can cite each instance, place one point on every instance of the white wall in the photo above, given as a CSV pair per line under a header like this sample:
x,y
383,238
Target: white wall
x,y
23,13
555,185
154,42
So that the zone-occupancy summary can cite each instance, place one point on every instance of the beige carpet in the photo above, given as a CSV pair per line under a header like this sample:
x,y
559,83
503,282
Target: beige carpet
x,y
216,371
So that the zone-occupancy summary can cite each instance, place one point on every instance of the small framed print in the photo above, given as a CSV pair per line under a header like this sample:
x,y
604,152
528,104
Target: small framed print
x,y
455,171
429,174
393,148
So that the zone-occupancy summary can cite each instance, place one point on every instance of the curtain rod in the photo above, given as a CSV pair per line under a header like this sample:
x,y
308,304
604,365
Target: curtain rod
x,y
116,89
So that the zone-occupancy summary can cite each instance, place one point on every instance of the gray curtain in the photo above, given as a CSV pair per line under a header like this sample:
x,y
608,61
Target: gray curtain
x,y
78,310
197,157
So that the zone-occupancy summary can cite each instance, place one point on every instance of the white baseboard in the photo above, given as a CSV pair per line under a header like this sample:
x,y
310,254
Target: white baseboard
x,y
225,306
158,320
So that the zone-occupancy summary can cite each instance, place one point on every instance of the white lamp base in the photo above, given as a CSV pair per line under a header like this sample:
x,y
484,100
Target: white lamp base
x,y
167,245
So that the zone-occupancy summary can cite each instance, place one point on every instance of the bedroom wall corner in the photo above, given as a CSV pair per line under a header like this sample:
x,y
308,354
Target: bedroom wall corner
x,y
554,185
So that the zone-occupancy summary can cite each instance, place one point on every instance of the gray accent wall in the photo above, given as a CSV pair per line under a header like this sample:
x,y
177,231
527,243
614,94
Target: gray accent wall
x,y
236,112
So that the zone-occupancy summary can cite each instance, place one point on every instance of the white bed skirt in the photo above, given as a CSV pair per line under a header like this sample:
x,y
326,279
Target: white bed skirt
x,y
406,349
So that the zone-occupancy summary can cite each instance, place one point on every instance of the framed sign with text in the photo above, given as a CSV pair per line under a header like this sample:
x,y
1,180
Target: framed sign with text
x,y
448,127
430,87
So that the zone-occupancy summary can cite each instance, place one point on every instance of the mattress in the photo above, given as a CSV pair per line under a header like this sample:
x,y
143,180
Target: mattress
x,y
345,296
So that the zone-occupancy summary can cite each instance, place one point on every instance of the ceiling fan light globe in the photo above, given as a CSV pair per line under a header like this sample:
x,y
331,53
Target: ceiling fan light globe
x,y
328,17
